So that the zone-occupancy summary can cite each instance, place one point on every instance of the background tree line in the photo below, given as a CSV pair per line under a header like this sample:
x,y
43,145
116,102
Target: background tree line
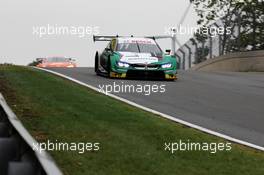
x,y
245,18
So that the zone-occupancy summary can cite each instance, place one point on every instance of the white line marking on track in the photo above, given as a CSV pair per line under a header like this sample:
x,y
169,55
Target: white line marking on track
x,y
159,113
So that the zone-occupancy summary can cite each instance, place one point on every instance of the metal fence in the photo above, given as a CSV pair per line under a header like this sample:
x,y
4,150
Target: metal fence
x,y
17,155
207,46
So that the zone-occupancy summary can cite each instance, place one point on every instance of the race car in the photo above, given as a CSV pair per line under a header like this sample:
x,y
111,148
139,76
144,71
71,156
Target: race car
x,y
56,62
134,57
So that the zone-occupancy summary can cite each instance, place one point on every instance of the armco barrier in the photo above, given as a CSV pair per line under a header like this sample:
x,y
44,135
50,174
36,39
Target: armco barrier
x,y
252,61
17,156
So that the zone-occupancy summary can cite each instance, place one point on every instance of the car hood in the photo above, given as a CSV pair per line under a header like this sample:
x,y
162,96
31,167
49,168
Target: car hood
x,y
138,58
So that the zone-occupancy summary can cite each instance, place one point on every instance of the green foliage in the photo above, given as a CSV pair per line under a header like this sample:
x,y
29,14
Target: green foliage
x,y
201,54
34,63
245,15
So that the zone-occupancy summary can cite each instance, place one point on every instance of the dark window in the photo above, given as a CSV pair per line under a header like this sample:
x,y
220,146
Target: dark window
x,y
150,48
153,49
127,47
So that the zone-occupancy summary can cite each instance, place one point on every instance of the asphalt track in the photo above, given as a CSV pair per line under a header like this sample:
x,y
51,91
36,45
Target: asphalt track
x,y
228,103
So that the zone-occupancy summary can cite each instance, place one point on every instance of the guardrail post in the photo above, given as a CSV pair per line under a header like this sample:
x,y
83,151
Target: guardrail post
x,y
211,47
183,59
190,55
179,61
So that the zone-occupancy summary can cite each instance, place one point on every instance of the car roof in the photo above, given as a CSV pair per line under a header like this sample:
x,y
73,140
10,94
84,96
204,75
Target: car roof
x,y
136,40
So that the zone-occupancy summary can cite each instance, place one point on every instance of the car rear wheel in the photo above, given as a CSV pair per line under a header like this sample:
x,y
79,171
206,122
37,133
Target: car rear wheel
x,y
96,62
109,66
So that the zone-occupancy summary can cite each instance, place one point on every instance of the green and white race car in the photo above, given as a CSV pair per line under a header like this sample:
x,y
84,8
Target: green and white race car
x,y
131,57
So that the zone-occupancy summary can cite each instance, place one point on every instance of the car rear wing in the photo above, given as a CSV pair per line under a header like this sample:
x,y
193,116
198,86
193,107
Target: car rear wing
x,y
103,38
158,37
109,37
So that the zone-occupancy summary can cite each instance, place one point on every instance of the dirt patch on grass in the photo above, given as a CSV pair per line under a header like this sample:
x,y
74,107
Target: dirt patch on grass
x,y
18,103
6,90
40,136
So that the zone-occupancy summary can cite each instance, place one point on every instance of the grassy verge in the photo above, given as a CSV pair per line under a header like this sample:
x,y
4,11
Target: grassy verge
x,y
131,140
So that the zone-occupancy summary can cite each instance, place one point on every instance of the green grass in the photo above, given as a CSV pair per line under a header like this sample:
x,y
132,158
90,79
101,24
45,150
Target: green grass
x,y
131,140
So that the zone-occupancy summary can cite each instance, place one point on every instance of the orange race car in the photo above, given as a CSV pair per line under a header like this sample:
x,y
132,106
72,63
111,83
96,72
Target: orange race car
x,y
56,62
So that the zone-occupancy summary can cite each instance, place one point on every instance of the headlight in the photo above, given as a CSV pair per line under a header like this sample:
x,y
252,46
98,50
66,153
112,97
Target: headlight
x,y
121,64
164,66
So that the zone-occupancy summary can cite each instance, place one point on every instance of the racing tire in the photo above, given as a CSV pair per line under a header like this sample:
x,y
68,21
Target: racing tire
x,y
96,59
109,66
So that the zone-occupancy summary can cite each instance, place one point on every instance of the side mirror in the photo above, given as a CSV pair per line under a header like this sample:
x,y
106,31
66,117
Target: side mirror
x,y
108,49
168,51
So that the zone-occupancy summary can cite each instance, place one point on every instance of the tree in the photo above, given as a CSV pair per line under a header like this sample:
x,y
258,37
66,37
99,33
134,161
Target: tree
x,y
244,17
35,62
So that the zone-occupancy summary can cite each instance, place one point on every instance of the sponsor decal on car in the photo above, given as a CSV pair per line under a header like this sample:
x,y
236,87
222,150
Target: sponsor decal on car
x,y
137,40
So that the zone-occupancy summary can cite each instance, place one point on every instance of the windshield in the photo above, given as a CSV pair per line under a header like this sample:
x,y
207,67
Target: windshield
x,y
139,48
127,47
57,59
150,48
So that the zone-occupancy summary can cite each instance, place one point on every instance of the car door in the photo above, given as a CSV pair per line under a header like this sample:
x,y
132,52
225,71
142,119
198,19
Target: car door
x,y
106,53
